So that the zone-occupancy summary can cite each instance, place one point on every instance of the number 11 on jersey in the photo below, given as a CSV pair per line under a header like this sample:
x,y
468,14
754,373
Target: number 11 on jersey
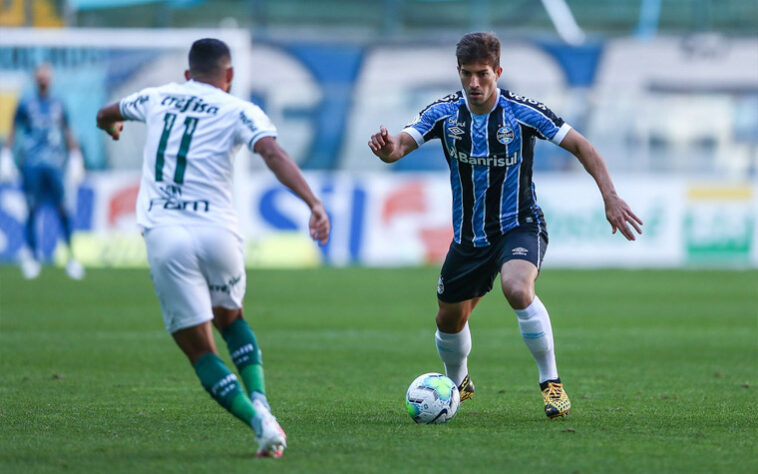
x,y
190,124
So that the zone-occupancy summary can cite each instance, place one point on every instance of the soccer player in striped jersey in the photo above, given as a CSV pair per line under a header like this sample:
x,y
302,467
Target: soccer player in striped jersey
x,y
184,206
488,137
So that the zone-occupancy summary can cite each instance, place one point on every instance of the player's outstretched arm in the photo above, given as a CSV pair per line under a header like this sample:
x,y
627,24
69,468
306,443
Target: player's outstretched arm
x,y
390,149
617,211
287,172
109,118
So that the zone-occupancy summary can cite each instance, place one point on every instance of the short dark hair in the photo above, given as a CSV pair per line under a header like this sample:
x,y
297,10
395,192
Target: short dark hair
x,y
206,54
478,47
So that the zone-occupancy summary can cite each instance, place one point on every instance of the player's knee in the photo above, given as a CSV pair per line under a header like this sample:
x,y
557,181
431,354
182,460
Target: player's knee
x,y
451,321
518,292
224,317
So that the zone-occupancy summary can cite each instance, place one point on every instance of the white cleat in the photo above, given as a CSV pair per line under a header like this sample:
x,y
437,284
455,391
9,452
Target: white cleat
x,y
262,398
74,269
269,435
30,268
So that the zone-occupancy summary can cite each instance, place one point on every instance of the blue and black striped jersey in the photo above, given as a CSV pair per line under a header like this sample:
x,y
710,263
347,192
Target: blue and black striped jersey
x,y
490,158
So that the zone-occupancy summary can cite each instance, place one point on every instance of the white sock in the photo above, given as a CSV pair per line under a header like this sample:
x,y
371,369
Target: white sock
x,y
454,350
534,323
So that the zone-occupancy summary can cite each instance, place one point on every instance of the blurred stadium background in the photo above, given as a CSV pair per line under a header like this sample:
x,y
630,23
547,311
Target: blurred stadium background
x,y
666,89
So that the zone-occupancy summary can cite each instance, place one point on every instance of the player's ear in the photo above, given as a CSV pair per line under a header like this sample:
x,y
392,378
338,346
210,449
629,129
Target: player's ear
x,y
498,71
229,74
187,74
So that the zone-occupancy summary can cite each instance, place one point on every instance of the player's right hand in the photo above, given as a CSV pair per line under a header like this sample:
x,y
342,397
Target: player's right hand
x,y
8,171
382,143
115,130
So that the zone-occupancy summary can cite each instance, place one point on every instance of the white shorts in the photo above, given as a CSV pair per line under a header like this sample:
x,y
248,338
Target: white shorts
x,y
194,269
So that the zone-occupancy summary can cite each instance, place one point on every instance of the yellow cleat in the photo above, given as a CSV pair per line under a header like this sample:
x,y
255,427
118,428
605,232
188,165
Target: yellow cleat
x,y
466,388
557,402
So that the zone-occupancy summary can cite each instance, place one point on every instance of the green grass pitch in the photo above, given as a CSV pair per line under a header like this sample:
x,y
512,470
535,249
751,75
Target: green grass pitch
x,y
661,367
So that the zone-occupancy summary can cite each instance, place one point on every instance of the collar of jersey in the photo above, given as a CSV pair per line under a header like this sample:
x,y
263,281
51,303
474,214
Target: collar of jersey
x,y
201,84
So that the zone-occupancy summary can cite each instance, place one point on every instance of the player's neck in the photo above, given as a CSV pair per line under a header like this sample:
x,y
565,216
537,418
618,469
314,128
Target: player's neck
x,y
485,108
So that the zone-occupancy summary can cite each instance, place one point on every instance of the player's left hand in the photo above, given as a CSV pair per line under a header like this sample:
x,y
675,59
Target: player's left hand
x,y
319,224
621,217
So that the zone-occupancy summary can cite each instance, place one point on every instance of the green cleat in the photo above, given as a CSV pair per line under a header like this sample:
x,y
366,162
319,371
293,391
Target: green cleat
x,y
557,403
466,388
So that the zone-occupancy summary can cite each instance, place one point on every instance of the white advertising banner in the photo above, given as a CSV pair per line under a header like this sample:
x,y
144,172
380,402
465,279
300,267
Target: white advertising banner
x,y
385,219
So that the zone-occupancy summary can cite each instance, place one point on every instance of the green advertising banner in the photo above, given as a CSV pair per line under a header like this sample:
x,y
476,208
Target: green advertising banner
x,y
719,223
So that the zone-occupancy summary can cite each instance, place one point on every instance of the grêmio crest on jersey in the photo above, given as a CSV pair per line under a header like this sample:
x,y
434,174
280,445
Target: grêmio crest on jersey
x,y
505,135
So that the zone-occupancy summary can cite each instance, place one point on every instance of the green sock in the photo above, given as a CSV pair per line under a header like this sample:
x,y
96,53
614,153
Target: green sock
x,y
246,355
223,386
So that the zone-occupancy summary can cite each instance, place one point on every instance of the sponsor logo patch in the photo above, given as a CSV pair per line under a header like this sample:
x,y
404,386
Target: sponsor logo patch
x,y
520,251
440,287
225,287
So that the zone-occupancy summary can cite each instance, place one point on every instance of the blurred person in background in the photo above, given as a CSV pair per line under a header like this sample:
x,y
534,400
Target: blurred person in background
x,y
48,151
185,208
488,136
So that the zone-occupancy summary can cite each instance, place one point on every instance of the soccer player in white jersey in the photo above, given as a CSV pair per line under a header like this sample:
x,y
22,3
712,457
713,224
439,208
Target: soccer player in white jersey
x,y
189,223
488,137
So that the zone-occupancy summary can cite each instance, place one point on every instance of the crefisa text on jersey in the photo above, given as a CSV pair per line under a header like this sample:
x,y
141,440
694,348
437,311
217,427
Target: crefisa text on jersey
x,y
183,103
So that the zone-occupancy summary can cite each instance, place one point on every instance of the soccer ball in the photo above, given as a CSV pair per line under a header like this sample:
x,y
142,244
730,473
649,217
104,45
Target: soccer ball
x,y
432,398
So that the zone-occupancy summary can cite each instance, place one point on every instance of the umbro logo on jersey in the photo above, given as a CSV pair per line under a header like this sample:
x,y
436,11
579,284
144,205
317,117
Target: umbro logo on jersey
x,y
520,251
455,132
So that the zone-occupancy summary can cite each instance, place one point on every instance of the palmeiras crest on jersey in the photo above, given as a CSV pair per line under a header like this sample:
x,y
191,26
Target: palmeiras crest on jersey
x,y
505,135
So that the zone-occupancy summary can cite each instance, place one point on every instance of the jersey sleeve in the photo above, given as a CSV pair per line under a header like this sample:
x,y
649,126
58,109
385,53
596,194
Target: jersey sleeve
x,y
540,118
137,105
428,123
252,125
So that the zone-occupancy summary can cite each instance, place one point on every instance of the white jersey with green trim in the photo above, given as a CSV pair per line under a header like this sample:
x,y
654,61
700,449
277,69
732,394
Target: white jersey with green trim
x,y
194,130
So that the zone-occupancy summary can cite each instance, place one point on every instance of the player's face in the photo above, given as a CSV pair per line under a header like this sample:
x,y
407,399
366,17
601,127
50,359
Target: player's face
x,y
479,80
44,77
